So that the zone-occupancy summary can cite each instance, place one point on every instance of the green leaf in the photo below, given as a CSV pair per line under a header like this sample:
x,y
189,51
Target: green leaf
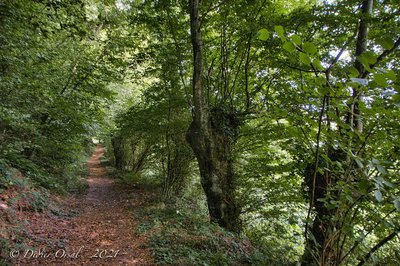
x,y
279,30
396,99
349,198
378,195
288,46
263,34
305,59
380,79
309,48
389,184
386,43
296,39
353,72
318,65
390,74
370,57
323,90
364,62
375,161
321,80
396,204
359,163
381,169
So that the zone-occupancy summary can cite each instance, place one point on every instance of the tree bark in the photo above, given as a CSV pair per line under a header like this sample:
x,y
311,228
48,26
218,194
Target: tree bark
x,y
321,246
212,147
355,120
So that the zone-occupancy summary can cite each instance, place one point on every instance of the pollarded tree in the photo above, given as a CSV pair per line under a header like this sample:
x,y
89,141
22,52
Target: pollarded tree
x,y
225,92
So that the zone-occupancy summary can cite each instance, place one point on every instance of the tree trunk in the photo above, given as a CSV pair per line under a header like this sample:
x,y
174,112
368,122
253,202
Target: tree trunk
x,y
212,147
355,117
119,156
322,243
321,246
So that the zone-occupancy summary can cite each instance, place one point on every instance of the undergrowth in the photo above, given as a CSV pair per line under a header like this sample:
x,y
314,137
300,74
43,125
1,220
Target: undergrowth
x,y
180,235
17,194
26,187
179,231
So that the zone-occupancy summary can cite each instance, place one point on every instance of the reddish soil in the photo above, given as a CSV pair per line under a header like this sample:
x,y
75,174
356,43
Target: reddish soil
x,y
96,229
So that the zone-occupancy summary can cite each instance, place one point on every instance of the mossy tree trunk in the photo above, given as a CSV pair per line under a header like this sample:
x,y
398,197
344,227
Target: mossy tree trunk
x,y
211,145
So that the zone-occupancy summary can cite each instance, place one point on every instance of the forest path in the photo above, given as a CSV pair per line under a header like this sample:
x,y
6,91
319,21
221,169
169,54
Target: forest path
x,y
104,232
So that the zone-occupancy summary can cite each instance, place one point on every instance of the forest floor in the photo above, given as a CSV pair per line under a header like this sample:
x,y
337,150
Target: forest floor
x,y
98,228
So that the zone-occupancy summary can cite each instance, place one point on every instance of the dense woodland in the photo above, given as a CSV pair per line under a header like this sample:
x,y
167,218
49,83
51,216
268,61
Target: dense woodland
x,y
278,121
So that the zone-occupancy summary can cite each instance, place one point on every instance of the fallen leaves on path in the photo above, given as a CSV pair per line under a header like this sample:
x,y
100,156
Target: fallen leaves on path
x,y
96,229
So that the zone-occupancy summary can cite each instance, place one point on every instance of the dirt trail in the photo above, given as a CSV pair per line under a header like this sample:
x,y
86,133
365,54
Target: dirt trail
x,y
103,233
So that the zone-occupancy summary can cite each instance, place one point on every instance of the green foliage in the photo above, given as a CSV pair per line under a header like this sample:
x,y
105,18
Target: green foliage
x,y
279,30
149,134
146,178
348,154
276,95
55,65
180,236
17,194
263,34
282,81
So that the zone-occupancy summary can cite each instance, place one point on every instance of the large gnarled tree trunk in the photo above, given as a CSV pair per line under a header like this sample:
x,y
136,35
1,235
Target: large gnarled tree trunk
x,y
212,147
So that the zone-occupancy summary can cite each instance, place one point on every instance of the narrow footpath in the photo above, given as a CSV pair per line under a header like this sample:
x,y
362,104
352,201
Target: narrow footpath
x,y
101,231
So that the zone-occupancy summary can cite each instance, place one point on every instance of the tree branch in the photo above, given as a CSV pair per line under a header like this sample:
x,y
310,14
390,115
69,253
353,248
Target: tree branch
x,y
369,232
336,59
315,166
382,56
378,246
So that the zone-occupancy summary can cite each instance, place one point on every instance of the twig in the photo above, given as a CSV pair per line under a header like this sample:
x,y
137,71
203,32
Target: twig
x,y
315,166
